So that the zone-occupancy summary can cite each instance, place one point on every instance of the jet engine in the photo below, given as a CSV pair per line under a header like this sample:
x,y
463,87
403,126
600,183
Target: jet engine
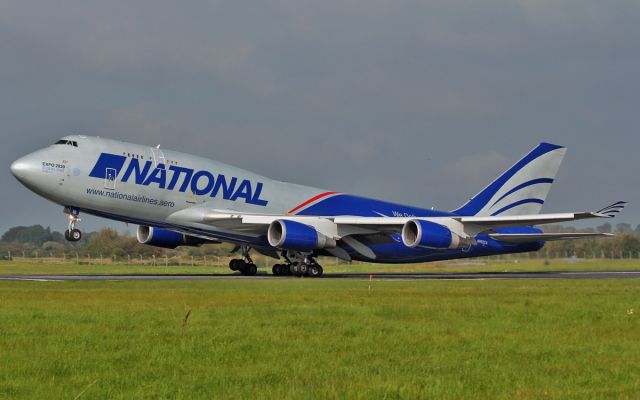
x,y
165,238
292,235
422,233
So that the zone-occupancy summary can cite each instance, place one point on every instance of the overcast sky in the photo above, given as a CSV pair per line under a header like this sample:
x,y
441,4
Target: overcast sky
x,y
420,102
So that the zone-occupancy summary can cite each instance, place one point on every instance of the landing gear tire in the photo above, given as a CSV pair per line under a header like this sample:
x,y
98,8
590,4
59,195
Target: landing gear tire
x,y
249,269
279,269
244,265
315,271
73,235
236,264
298,264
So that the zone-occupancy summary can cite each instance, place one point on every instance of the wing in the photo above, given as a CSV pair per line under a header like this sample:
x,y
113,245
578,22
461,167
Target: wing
x,y
470,226
335,233
339,227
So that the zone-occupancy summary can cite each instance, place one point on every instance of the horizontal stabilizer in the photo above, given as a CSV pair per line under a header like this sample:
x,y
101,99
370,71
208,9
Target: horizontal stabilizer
x,y
613,209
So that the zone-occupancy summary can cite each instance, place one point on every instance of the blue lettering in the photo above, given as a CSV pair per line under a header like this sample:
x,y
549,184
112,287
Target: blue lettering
x,y
256,196
201,182
187,179
140,175
159,176
194,183
244,191
176,175
227,190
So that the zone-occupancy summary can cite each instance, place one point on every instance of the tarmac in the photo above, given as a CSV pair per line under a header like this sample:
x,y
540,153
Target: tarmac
x,y
377,276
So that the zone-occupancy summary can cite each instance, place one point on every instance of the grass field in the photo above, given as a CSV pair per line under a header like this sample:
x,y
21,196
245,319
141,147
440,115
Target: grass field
x,y
486,265
306,338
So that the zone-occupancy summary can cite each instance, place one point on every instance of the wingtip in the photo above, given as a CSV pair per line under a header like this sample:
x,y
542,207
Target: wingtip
x,y
612,210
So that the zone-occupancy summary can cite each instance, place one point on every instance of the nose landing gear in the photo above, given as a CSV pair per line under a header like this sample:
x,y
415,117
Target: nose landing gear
x,y
72,234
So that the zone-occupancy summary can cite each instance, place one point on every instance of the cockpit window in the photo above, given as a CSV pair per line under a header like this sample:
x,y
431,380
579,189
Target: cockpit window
x,y
68,142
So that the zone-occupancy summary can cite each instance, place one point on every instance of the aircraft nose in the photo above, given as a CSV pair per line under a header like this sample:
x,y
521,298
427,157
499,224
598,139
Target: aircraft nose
x,y
21,167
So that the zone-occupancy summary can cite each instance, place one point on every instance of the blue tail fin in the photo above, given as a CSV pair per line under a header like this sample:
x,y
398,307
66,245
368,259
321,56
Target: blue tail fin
x,y
522,189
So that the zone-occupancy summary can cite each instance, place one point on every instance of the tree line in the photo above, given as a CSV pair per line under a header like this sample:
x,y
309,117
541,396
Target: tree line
x,y
38,241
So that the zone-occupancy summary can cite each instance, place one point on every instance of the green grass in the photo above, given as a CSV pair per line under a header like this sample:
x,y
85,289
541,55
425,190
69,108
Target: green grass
x,y
486,265
304,338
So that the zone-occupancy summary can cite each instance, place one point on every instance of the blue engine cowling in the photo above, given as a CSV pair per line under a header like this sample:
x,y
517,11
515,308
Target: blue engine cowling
x,y
292,235
165,238
421,233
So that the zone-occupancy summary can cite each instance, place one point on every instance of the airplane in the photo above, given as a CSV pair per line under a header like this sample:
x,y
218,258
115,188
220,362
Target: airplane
x,y
177,199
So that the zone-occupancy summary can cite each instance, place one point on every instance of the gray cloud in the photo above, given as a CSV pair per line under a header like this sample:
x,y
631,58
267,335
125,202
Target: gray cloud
x,y
412,101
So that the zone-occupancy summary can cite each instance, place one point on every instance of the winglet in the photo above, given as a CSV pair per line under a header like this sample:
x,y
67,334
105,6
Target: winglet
x,y
612,210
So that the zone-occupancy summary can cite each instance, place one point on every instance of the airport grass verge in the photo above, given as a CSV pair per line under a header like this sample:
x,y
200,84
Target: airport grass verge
x,y
29,267
305,338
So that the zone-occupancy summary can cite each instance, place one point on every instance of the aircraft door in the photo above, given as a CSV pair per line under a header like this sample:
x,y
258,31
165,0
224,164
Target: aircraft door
x,y
110,178
157,156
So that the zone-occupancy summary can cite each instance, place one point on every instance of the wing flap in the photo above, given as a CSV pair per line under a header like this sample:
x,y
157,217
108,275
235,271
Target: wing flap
x,y
525,220
537,237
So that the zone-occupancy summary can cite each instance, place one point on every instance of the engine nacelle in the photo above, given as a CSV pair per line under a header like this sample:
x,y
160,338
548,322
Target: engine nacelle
x,y
292,235
421,233
165,238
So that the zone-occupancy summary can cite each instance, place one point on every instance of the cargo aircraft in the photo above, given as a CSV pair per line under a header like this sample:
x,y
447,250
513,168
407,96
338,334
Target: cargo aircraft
x,y
177,199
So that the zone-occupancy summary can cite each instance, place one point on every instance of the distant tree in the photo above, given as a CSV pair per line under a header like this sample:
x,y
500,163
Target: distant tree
x,y
53,247
35,234
118,252
57,237
623,227
630,243
637,230
604,228
103,242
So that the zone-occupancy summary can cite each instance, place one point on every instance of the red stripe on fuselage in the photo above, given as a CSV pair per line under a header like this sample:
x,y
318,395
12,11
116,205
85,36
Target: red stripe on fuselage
x,y
311,200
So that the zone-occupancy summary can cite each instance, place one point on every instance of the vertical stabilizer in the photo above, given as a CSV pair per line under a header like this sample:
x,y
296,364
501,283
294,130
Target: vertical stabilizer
x,y
522,189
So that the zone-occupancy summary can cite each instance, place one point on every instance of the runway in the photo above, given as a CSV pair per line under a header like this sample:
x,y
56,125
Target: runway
x,y
379,276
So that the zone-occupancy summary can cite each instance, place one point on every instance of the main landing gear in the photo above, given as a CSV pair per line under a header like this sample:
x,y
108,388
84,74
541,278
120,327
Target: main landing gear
x,y
298,265
72,234
245,264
